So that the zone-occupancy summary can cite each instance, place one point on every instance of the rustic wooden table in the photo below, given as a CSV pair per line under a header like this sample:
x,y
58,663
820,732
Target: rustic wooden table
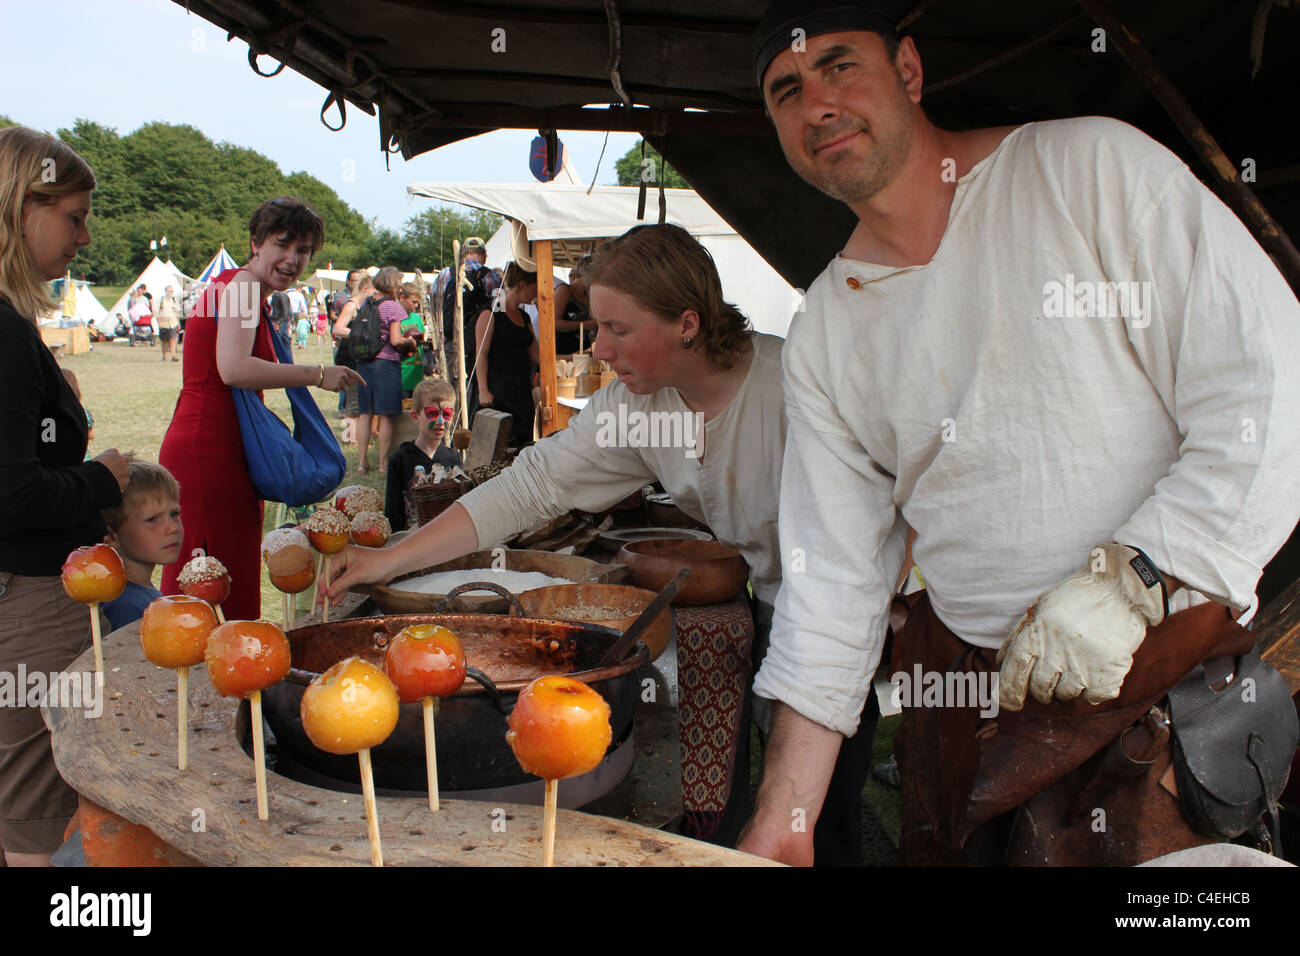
x,y
124,760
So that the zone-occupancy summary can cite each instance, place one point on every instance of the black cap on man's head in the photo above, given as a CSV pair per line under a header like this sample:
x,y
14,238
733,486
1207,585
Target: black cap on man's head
x,y
785,22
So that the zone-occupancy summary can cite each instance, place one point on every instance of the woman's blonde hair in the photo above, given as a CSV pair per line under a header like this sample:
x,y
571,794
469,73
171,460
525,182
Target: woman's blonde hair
x,y
36,164
667,270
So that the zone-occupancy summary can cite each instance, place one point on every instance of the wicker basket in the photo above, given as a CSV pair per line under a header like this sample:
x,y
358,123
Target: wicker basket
x,y
430,500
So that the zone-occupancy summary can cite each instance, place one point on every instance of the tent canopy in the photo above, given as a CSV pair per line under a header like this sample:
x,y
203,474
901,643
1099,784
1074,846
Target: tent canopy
x,y
986,62
567,216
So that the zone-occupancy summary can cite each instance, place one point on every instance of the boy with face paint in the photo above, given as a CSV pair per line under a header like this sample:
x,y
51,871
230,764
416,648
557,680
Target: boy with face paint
x,y
1068,466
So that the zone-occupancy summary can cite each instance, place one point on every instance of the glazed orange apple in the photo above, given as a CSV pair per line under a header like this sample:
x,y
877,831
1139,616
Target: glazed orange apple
x,y
286,552
94,574
371,529
559,728
425,660
174,630
205,577
349,708
244,656
327,529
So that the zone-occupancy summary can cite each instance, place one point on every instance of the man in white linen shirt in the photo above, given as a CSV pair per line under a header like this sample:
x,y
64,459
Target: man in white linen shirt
x,y
1046,349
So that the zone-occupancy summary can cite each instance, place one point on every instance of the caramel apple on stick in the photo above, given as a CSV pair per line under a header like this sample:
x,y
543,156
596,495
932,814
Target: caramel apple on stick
x,y
351,708
244,658
328,531
206,577
559,728
174,633
92,575
426,662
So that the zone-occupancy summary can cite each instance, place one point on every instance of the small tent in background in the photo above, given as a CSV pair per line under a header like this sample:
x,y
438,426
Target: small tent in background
x,y
219,264
77,304
156,277
89,311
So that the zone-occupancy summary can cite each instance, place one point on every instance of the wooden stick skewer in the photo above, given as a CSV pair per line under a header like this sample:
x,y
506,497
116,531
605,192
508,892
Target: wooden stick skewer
x,y
288,610
325,610
430,753
259,754
94,633
182,717
372,813
548,823
221,618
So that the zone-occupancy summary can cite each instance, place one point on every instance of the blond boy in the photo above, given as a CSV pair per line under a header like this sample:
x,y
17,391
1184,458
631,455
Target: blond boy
x,y
146,531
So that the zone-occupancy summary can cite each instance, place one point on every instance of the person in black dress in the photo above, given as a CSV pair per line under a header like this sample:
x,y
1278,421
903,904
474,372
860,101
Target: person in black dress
x,y
507,352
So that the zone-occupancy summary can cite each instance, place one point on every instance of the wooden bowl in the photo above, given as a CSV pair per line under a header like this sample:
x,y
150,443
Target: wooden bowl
x,y
609,605
718,570
393,600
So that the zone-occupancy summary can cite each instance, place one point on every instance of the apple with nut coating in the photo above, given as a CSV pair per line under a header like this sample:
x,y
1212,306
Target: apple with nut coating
x,y
174,630
371,529
327,529
559,728
425,660
349,708
205,577
244,656
94,574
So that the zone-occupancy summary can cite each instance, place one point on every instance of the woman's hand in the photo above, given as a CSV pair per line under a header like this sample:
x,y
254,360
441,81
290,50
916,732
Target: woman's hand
x,y
485,397
338,377
354,566
116,462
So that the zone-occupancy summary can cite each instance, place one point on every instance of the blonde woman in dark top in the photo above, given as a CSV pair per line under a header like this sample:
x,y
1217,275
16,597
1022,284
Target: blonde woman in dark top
x,y
50,496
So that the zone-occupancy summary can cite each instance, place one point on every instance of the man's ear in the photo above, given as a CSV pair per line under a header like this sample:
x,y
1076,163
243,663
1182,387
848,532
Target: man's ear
x,y
908,63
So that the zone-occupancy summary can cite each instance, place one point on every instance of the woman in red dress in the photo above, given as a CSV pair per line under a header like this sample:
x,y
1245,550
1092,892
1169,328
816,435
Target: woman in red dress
x,y
203,448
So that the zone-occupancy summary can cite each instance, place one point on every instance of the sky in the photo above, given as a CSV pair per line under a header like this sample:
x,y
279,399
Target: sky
x,y
124,63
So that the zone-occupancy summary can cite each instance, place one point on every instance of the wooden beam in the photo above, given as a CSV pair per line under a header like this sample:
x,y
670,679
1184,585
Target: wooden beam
x,y
1278,626
1267,232
546,334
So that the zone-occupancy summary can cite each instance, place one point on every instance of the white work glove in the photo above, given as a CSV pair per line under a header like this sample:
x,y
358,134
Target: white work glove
x,y
1078,638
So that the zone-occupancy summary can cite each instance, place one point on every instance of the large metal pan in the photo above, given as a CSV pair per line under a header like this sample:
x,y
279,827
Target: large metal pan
x,y
472,749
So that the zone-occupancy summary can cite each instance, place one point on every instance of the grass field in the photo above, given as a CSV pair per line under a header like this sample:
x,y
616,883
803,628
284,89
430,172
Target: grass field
x,y
131,393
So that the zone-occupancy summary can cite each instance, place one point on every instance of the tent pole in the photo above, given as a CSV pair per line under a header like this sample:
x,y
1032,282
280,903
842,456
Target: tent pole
x,y
546,332
1267,232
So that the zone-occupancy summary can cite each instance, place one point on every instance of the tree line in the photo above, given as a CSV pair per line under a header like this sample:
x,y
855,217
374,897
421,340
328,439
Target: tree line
x,y
171,180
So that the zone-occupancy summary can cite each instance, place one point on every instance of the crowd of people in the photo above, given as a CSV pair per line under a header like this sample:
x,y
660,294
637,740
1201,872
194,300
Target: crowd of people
x,y
1071,489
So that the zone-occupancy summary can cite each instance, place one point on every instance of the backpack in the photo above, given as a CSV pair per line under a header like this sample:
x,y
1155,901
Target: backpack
x,y
334,304
366,333
279,308
475,300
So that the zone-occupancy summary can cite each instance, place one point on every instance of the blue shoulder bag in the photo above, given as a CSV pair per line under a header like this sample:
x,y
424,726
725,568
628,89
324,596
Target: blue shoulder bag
x,y
298,469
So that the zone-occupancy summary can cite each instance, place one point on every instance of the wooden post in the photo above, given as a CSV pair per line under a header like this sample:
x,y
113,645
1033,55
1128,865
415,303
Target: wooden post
x,y
1240,197
546,332
458,334
432,331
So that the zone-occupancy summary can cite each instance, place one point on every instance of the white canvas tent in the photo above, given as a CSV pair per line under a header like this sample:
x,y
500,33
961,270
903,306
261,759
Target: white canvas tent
x,y
576,222
156,277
